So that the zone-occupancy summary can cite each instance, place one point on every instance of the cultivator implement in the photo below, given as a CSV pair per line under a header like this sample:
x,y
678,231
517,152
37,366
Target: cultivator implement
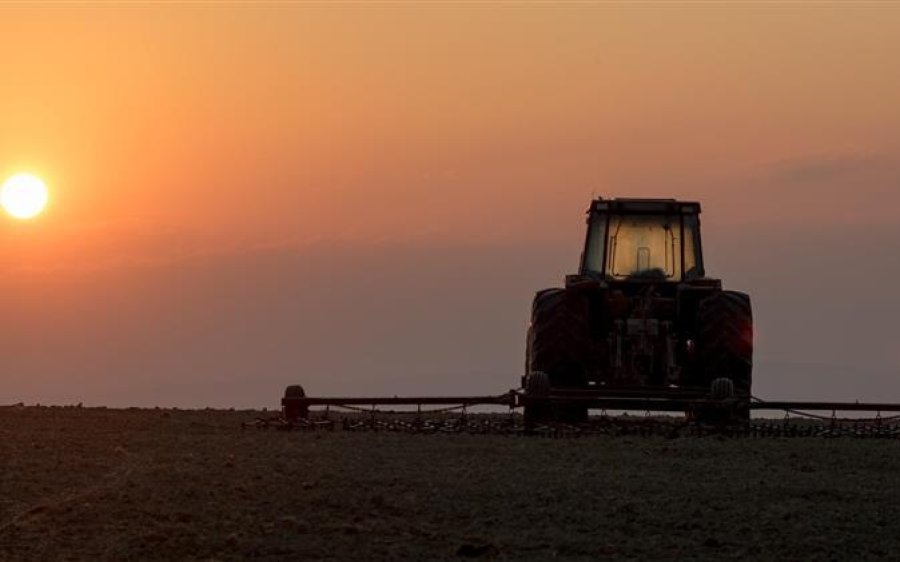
x,y
621,412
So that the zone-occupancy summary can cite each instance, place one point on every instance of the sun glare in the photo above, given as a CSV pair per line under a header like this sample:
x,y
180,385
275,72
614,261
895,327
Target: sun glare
x,y
23,196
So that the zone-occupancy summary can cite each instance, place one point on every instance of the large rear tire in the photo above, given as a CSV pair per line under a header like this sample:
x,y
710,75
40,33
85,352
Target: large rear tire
x,y
559,343
725,340
725,349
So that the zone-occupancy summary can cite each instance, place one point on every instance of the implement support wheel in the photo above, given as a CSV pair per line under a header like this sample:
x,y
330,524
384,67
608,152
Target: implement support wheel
x,y
293,412
537,384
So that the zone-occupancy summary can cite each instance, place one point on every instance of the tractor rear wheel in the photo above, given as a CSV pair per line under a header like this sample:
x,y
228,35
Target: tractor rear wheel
x,y
725,339
559,343
725,347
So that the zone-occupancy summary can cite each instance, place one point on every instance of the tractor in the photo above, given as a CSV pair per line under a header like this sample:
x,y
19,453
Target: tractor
x,y
639,318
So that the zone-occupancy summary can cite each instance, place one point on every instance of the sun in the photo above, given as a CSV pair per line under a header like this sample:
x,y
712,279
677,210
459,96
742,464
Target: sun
x,y
23,196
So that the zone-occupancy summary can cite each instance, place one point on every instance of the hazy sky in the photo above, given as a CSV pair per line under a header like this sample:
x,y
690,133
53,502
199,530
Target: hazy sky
x,y
364,197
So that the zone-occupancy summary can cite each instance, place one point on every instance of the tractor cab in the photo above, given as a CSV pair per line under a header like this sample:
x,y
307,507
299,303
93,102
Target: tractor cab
x,y
643,240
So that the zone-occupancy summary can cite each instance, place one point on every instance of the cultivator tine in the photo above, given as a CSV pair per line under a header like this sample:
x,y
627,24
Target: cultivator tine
x,y
609,426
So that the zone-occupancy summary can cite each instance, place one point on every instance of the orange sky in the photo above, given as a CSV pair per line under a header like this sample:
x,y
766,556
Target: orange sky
x,y
184,140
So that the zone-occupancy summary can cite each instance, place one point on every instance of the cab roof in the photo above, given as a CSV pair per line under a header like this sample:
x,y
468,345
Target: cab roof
x,y
634,205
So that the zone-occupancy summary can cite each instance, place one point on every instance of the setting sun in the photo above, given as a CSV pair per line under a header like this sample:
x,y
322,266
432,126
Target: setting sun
x,y
23,196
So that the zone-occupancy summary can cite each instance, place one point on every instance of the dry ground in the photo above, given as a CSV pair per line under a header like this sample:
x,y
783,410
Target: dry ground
x,y
155,484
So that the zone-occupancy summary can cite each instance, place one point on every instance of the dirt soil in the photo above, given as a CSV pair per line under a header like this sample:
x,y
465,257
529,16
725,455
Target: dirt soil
x,y
93,484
